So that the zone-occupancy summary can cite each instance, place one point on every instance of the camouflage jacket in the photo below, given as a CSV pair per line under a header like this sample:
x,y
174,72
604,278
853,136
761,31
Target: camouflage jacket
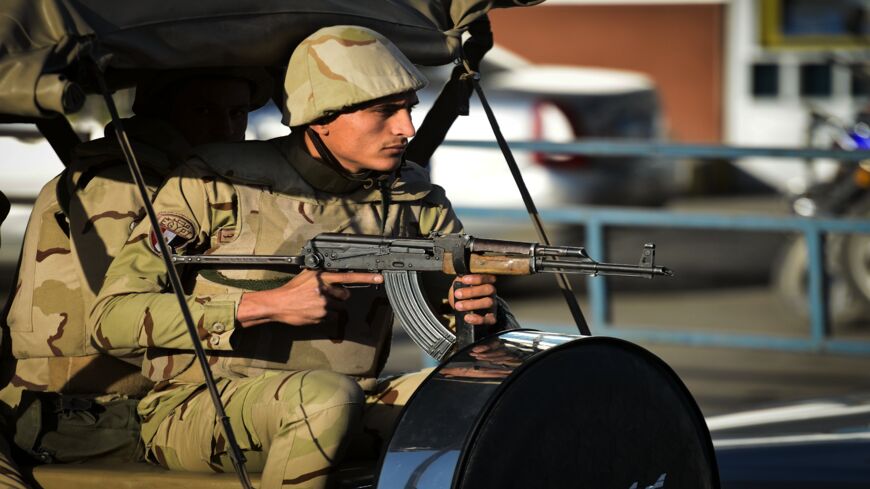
x,y
258,198
79,222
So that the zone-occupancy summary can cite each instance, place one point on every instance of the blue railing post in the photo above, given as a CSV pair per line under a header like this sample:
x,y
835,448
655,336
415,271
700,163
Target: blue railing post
x,y
817,290
597,286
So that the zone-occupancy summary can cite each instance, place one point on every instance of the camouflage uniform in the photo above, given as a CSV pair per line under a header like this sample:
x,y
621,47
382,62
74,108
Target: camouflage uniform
x,y
218,206
56,288
92,206
298,397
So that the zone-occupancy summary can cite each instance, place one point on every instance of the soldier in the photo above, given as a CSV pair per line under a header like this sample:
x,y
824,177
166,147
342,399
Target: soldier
x,y
296,356
79,222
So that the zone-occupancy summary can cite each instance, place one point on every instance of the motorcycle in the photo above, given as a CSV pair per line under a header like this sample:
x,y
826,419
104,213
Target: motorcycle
x,y
847,257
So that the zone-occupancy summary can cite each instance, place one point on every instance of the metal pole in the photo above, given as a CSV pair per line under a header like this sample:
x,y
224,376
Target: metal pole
x,y
561,278
236,455
817,290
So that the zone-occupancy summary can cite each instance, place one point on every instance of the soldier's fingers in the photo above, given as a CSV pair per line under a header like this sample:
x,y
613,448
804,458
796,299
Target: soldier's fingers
x,y
477,319
474,304
334,292
351,278
475,291
477,279
473,319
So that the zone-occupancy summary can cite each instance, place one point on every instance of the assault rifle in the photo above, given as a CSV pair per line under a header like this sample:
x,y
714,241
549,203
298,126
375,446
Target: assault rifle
x,y
400,259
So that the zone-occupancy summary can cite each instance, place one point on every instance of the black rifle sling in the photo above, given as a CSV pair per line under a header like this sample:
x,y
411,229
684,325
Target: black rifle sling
x,y
453,99
236,455
561,278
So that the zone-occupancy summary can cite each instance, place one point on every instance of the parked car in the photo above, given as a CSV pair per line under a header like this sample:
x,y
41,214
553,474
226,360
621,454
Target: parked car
x,y
542,103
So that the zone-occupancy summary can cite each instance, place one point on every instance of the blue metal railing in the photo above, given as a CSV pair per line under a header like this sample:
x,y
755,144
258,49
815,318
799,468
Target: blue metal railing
x,y
596,220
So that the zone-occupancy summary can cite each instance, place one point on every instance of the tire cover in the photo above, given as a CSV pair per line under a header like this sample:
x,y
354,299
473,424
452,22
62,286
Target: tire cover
x,y
528,409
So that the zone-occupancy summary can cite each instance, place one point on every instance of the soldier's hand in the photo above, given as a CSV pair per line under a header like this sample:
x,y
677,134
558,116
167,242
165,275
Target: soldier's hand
x,y
478,296
309,298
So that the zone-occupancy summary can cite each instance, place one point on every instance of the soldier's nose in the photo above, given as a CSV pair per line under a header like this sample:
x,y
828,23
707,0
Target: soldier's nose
x,y
404,125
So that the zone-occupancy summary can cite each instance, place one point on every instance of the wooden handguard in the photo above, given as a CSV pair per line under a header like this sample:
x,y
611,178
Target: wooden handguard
x,y
493,264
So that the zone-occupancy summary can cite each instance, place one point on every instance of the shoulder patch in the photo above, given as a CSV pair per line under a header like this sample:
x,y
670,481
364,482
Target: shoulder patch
x,y
176,229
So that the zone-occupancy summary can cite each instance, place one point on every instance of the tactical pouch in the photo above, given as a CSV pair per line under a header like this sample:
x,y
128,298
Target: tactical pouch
x,y
55,428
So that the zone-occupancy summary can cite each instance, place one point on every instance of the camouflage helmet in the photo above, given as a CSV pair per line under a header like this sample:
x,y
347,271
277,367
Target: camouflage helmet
x,y
342,66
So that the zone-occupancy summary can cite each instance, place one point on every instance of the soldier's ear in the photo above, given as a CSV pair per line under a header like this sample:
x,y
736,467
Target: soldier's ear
x,y
320,129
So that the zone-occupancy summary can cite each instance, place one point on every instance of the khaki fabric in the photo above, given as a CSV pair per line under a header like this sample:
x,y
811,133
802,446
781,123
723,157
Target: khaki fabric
x,y
294,444
292,427
265,198
341,66
68,247
267,208
79,222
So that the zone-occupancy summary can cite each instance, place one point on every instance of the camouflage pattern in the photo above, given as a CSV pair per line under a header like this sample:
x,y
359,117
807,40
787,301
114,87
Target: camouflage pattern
x,y
342,66
50,339
294,444
218,205
64,259
268,208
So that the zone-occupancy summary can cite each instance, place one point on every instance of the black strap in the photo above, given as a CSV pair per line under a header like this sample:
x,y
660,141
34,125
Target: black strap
x,y
454,97
561,278
235,453
327,157
63,193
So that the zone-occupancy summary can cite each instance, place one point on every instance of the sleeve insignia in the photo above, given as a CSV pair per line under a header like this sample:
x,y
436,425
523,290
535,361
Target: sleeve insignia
x,y
176,229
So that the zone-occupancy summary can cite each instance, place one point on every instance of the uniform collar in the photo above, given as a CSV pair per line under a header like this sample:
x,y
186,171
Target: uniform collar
x,y
315,172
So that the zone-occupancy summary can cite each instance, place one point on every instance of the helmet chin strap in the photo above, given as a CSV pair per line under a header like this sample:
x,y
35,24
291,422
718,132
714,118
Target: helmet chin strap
x,y
327,157
368,178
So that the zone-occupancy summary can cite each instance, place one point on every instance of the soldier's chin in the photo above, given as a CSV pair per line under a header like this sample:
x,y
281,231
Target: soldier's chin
x,y
390,164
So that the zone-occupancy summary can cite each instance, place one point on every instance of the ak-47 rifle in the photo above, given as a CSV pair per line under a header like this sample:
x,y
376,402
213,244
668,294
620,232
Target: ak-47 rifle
x,y
400,259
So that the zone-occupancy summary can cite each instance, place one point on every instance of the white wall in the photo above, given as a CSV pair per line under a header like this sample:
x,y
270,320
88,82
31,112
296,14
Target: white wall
x,y
779,121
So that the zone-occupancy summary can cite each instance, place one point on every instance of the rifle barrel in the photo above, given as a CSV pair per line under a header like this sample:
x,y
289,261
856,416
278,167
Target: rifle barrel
x,y
594,268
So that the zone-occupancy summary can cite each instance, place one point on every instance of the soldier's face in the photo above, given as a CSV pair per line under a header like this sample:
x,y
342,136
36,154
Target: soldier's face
x,y
372,138
211,110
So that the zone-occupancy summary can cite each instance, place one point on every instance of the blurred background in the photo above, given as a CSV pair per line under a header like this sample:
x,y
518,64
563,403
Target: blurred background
x,y
742,321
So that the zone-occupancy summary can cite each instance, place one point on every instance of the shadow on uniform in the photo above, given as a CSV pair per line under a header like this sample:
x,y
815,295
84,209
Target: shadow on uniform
x,y
89,212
